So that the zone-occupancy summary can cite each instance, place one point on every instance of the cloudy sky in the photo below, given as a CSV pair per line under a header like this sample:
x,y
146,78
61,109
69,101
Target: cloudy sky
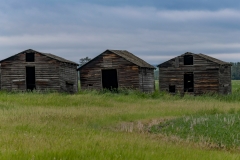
x,y
154,30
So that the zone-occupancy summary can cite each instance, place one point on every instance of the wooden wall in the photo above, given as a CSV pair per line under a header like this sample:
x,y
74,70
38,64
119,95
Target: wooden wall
x,y
90,75
225,84
206,75
68,78
47,73
146,80
127,72
13,73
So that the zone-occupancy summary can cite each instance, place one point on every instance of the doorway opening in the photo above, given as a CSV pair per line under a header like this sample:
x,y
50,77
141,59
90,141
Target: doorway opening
x,y
30,78
188,82
109,79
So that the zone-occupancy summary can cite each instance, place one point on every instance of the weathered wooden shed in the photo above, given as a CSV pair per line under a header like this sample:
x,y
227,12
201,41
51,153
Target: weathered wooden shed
x,y
31,69
117,69
195,74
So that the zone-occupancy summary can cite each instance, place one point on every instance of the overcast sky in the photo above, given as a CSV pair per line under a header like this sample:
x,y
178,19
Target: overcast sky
x,y
154,30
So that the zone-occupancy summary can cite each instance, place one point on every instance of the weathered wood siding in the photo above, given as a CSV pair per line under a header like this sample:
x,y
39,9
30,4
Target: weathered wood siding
x,y
90,75
225,84
127,72
146,80
13,75
68,78
50,74
47,73
206,75
0,76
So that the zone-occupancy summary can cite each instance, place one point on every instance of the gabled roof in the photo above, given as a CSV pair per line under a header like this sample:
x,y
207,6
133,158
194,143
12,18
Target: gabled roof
x,y
213,59
129,57
60,59
205,57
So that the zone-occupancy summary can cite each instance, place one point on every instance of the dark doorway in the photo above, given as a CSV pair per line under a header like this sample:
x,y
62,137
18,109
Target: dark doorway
x,y
188,82
30,78
109,79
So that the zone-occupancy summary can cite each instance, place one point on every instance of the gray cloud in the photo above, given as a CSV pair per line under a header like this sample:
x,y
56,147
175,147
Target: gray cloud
x,y
78,30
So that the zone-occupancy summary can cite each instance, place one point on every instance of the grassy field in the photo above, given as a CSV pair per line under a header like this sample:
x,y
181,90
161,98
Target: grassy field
x,y
93,125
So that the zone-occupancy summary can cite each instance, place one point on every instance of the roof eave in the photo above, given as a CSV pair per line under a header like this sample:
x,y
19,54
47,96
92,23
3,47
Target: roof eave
x,y
150,66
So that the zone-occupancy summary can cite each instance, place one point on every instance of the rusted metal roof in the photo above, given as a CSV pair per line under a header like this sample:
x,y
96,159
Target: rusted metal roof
x,y
129,57
45,54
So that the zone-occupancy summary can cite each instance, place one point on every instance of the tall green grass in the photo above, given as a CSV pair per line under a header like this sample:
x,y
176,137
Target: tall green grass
x,y
214,127
102,125
216,130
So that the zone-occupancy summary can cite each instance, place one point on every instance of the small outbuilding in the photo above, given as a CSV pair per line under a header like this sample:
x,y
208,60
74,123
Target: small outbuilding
x,y
195,74
33,70
117,69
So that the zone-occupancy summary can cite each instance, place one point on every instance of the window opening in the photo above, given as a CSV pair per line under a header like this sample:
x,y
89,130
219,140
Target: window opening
x,y
172,88
30,57
69,87
188,60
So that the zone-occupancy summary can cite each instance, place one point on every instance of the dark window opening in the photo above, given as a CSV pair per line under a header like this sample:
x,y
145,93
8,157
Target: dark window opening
x,y
69,87
172,88
69,83
109,79
30,78
30,57
188,82
188,60
90,86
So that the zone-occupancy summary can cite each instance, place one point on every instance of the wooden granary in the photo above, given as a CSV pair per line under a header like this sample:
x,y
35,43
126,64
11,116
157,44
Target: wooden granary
x,y
33,70
117,69
195,74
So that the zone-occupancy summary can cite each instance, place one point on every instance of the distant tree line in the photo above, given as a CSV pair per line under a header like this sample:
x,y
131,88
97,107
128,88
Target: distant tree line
x,y
236,71
83,61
